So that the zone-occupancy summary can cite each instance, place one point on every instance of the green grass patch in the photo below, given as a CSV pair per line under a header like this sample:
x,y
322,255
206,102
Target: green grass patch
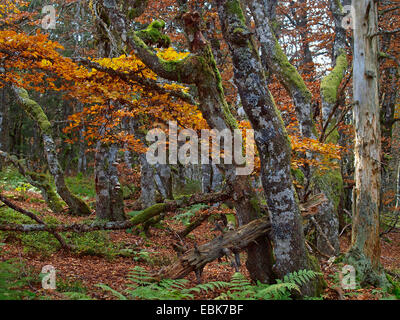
x,y
82,186
15,279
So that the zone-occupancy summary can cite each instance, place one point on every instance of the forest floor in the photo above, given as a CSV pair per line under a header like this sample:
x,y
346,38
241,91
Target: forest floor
x,y
123,250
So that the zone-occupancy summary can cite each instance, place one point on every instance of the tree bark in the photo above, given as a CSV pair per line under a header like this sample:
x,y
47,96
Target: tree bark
x,y
331,183
365,250
4,122
200,69
229,243
109,196
272,142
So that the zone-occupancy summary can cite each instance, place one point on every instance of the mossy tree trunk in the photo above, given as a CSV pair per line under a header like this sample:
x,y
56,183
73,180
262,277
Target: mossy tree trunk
x,y
76,205
272,142
365,250
147,183
4,122
275,61
37,180
390,95
109,196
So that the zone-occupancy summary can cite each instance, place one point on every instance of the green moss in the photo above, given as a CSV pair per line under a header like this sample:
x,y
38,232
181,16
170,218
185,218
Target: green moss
x,y
231,218
340,6
255,204
289,72
153,35
34,110
235,8
365,273
208,62
239,30
320,284
149,213
53,200
330,183
188,188
333,136
330,84
298,175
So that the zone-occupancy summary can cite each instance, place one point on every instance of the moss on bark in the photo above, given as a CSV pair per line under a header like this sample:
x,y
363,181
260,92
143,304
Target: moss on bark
x,y
153,35
331,83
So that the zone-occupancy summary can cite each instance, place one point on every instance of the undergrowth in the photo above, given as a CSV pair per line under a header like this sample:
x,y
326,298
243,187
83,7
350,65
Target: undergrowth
x,y
96,243
142,287
15,280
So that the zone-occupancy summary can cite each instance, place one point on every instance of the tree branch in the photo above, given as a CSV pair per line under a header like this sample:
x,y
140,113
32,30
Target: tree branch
x,y
35,217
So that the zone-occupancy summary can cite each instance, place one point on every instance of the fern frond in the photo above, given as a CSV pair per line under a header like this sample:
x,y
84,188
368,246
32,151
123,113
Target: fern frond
x,y
114,292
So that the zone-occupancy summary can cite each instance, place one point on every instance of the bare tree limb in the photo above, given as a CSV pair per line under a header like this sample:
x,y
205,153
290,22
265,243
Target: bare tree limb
x,y
37,219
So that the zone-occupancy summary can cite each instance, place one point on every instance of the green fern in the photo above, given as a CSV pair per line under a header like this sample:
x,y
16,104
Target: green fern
x,y
241,289
300,277
143,287
185,216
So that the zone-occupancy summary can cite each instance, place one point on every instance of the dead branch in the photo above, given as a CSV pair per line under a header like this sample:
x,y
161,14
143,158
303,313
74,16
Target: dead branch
x,y
195,224
37,219
232,241
142,217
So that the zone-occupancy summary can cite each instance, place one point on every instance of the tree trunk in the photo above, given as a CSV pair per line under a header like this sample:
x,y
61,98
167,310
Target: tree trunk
x,y
331,183
275,60
147,183
229,243
272,142
109,196
365,250
200,69
35,111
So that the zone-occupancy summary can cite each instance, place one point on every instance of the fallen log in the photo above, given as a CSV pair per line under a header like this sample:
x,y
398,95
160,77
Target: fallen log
x,y
195,224
142,217
235,241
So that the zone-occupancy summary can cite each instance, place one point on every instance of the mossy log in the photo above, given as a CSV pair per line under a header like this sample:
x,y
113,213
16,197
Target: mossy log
x,y
230,242
142,217
195,224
